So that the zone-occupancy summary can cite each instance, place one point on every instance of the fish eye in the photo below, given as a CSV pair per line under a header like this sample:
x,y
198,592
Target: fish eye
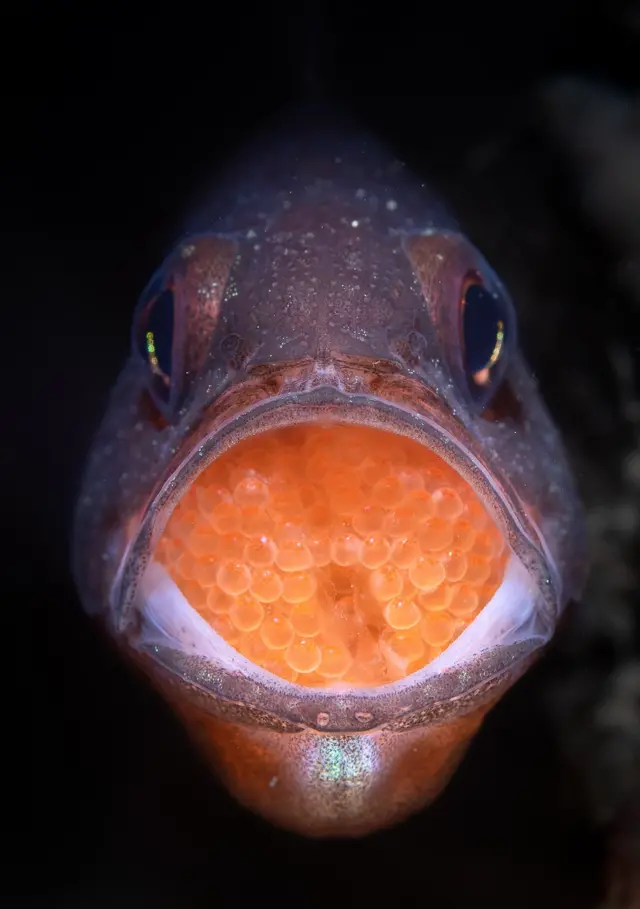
x,y
154,336
488,335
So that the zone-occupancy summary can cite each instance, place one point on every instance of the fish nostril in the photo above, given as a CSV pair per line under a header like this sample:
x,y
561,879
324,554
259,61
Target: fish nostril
x,y
334,554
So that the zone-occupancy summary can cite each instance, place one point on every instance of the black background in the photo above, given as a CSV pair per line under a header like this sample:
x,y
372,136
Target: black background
x,y
110,119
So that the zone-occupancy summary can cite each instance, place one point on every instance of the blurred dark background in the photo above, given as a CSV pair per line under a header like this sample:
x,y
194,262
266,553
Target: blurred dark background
x,y
528,118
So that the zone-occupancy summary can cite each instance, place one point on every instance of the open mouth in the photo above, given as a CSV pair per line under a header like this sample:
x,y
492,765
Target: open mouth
x,y
330,556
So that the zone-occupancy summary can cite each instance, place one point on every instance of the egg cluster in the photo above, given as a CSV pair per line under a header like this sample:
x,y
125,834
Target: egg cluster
x,y
334,553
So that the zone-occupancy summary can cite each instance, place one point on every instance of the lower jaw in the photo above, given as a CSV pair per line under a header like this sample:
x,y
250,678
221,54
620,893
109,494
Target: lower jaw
x,y
329,785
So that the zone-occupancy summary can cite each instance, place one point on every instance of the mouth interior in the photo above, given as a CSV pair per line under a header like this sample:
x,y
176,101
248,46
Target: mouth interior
x,y
334,555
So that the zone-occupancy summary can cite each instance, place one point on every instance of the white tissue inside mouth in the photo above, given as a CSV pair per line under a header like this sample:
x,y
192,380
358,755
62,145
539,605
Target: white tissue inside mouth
x,y
510,616
170,621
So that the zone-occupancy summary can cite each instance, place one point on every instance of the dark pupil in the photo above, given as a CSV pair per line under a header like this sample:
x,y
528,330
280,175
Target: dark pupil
x,y
483,327
157,340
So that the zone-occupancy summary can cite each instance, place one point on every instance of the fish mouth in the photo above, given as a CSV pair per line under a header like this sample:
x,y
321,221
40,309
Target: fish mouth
x,y
273,568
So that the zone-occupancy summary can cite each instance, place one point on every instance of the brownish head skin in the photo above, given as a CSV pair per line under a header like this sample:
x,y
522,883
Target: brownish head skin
x,y
324,284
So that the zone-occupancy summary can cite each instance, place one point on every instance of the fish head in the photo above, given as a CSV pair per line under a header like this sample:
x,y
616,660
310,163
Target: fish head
x,y
327,511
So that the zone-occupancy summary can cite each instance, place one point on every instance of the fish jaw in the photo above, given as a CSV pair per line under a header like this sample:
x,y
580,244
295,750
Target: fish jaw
x,y
320,783
332,762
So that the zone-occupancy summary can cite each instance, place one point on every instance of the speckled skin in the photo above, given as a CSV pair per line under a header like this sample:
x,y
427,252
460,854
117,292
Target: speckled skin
x,y
320,785
323,282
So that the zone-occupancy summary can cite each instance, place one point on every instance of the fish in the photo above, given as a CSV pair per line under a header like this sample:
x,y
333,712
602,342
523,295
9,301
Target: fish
x,y
327,513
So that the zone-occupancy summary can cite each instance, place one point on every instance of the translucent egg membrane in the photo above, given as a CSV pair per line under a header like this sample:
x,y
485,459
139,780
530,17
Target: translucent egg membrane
x,y
328,556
